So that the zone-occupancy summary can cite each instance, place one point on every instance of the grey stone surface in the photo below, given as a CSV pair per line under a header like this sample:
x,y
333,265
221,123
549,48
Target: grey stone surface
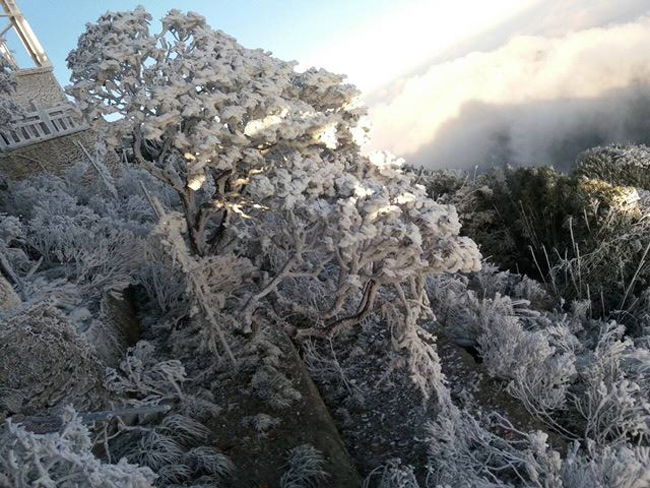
x,y
38,87
8,297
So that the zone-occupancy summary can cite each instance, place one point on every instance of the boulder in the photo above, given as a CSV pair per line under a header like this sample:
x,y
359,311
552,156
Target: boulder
x,y
8,297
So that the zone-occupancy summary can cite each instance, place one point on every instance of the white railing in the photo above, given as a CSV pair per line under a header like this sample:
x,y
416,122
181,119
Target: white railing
x,y
41,125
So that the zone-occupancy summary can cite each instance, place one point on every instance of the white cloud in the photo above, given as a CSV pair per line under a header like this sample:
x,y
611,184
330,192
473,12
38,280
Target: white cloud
x,y
576,66
388,46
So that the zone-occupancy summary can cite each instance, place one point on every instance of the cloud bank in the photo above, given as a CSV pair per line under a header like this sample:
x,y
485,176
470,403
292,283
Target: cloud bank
x,y
537,99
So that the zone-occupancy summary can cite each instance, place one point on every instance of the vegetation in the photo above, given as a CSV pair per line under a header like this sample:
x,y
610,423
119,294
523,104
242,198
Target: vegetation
x,y
583,237
245,222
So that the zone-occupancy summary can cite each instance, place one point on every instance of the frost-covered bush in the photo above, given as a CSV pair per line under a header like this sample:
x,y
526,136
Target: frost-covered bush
x,y
163,285
97,252
473,195
582,377
261,423
143,378
63,459
620,165
266,163
305,468
45,364
77,246
178,448
583,237
13,259
540,374
178,445
613,403
175,453
392,475
538,371
274,388
490,453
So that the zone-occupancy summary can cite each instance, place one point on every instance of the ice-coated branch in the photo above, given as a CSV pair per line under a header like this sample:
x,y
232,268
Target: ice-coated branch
x,y
54,423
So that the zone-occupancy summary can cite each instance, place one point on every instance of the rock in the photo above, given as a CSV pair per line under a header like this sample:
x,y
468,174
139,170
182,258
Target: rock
x,y
8,297
117,328
306,421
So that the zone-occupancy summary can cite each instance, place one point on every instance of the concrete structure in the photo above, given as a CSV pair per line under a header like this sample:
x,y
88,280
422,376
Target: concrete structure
x,y
47,138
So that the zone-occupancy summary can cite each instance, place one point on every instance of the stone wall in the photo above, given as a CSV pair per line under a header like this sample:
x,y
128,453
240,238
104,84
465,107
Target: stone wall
x,y
37,87
52,156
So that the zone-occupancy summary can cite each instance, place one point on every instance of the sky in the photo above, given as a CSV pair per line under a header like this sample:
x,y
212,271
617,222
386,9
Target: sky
x,y
291,29
448,84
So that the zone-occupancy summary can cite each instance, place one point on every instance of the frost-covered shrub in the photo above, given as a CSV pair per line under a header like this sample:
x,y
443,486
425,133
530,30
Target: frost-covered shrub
x,y
178,449
582,377
463,453
491,453
128,206
163,285
63,459
12,245
305,468
210,462
143,378
392,475
96,252
533,351
623,466
583,237
620,165
613,403
78,247
473,195
538,374
261,423
274,388
531,209
24,196
45,364
491,280
178,445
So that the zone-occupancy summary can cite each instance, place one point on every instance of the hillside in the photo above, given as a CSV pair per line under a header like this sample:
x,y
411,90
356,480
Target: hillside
x,y
228,291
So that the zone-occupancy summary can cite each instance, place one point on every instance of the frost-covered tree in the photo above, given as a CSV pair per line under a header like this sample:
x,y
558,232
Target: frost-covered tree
x,y
266,161
9,110
196,105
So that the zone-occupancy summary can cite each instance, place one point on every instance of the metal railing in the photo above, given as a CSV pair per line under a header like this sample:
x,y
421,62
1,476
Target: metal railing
x,y
41,125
